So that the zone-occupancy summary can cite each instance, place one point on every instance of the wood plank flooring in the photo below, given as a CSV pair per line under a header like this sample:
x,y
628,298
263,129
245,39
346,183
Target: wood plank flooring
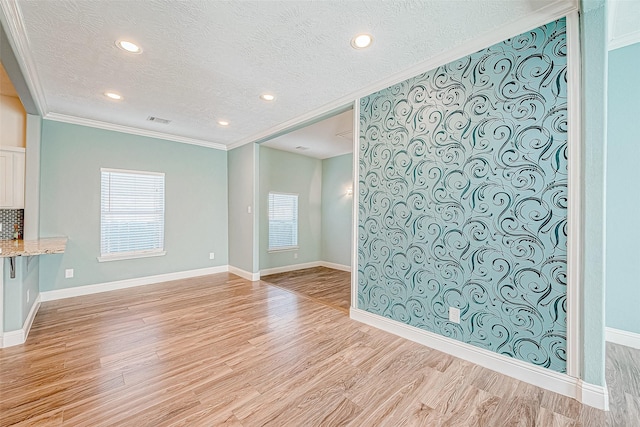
x,y
220,350
324,285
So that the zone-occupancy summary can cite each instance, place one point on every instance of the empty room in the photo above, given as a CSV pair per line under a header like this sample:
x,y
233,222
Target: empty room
x,y
318,213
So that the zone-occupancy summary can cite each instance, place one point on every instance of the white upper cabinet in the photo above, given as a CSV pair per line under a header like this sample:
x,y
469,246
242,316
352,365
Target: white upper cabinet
x,y
12,178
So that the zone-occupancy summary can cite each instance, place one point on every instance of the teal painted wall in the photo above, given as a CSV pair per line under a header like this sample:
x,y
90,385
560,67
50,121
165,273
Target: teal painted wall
x,y
463,199
16,306
337,209
623,206
196,206
593,23
286,172
242,169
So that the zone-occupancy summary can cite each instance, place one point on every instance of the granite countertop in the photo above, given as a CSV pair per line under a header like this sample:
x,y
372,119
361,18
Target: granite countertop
x,y
50,245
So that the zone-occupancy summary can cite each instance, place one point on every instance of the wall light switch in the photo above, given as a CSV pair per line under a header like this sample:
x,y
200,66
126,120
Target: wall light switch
x,y
68,273
248,209
212,255
295,255
28,295
454,314
0,226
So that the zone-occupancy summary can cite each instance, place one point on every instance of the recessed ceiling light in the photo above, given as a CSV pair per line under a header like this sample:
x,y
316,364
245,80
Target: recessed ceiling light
x,y
129,46
361,41
113,95
223,123
267,97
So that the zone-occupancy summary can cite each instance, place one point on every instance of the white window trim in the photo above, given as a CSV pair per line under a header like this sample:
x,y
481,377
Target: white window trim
x,y
133,254
285,248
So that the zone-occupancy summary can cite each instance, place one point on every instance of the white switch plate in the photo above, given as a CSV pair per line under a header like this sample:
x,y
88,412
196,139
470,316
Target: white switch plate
x,y
212,255
68,273
454,314
295,255
28,295
0,226
248,209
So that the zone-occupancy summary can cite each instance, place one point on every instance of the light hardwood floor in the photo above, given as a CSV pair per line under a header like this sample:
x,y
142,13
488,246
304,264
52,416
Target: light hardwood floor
x,y
325,285
219,350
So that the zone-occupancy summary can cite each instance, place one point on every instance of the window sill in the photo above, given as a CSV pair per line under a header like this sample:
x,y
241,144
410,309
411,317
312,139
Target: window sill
x,y
108,258
287,249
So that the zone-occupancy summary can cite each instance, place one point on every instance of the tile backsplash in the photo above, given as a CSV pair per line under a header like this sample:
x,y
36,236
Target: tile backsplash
x,y
8,217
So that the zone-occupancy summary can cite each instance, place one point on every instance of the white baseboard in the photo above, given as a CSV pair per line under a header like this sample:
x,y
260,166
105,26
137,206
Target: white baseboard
x,y
128,283
19,336
287,268
586,393
294,267
618,336
335,266
244,274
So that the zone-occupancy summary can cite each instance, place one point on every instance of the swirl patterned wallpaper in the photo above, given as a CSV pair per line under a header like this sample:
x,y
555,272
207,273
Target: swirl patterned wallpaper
x,y
463,198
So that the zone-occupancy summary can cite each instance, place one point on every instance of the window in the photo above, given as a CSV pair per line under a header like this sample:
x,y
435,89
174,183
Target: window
x,y
283,221
131,214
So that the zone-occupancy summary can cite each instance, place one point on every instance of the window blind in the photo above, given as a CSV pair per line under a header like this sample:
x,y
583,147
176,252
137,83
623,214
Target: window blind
x,y
283,221
132,213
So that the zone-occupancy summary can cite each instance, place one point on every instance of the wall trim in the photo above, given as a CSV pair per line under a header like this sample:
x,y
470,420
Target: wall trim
x,y
20,42
551,12
244,274
626,338
287,268
19,336
589,394
77,291
575,184
131,130
335,266
624,41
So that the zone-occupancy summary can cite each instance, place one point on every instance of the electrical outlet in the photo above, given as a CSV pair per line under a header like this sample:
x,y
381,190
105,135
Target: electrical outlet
x,y
454,314
295,255
68,273
28,295
212,255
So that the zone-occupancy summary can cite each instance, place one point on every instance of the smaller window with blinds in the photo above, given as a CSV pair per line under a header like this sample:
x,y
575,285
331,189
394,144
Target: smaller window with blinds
x,y
283,221
131,214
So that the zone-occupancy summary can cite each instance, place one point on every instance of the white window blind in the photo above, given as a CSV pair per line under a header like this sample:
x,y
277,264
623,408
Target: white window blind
x,y
131,214
283,221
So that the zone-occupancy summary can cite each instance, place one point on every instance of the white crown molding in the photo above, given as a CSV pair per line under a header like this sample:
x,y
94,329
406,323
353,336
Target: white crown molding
x,y
244,274
131,130
551,12
589,394
626,338
17,337
624,41
128,283
14,25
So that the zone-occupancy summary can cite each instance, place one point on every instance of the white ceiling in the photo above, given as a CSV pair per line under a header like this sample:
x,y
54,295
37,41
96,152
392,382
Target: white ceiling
x,y
328,138
624,23
207,60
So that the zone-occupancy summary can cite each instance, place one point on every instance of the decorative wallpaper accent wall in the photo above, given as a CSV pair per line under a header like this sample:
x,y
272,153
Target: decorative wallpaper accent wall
x,y
463,198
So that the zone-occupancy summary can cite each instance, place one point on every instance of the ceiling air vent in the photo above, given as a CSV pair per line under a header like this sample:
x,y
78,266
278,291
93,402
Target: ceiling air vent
x,y
347,134
301,148
158,120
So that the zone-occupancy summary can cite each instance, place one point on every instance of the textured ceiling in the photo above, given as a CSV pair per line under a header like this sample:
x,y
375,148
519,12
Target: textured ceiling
x,y
624,22
210,60
328,138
